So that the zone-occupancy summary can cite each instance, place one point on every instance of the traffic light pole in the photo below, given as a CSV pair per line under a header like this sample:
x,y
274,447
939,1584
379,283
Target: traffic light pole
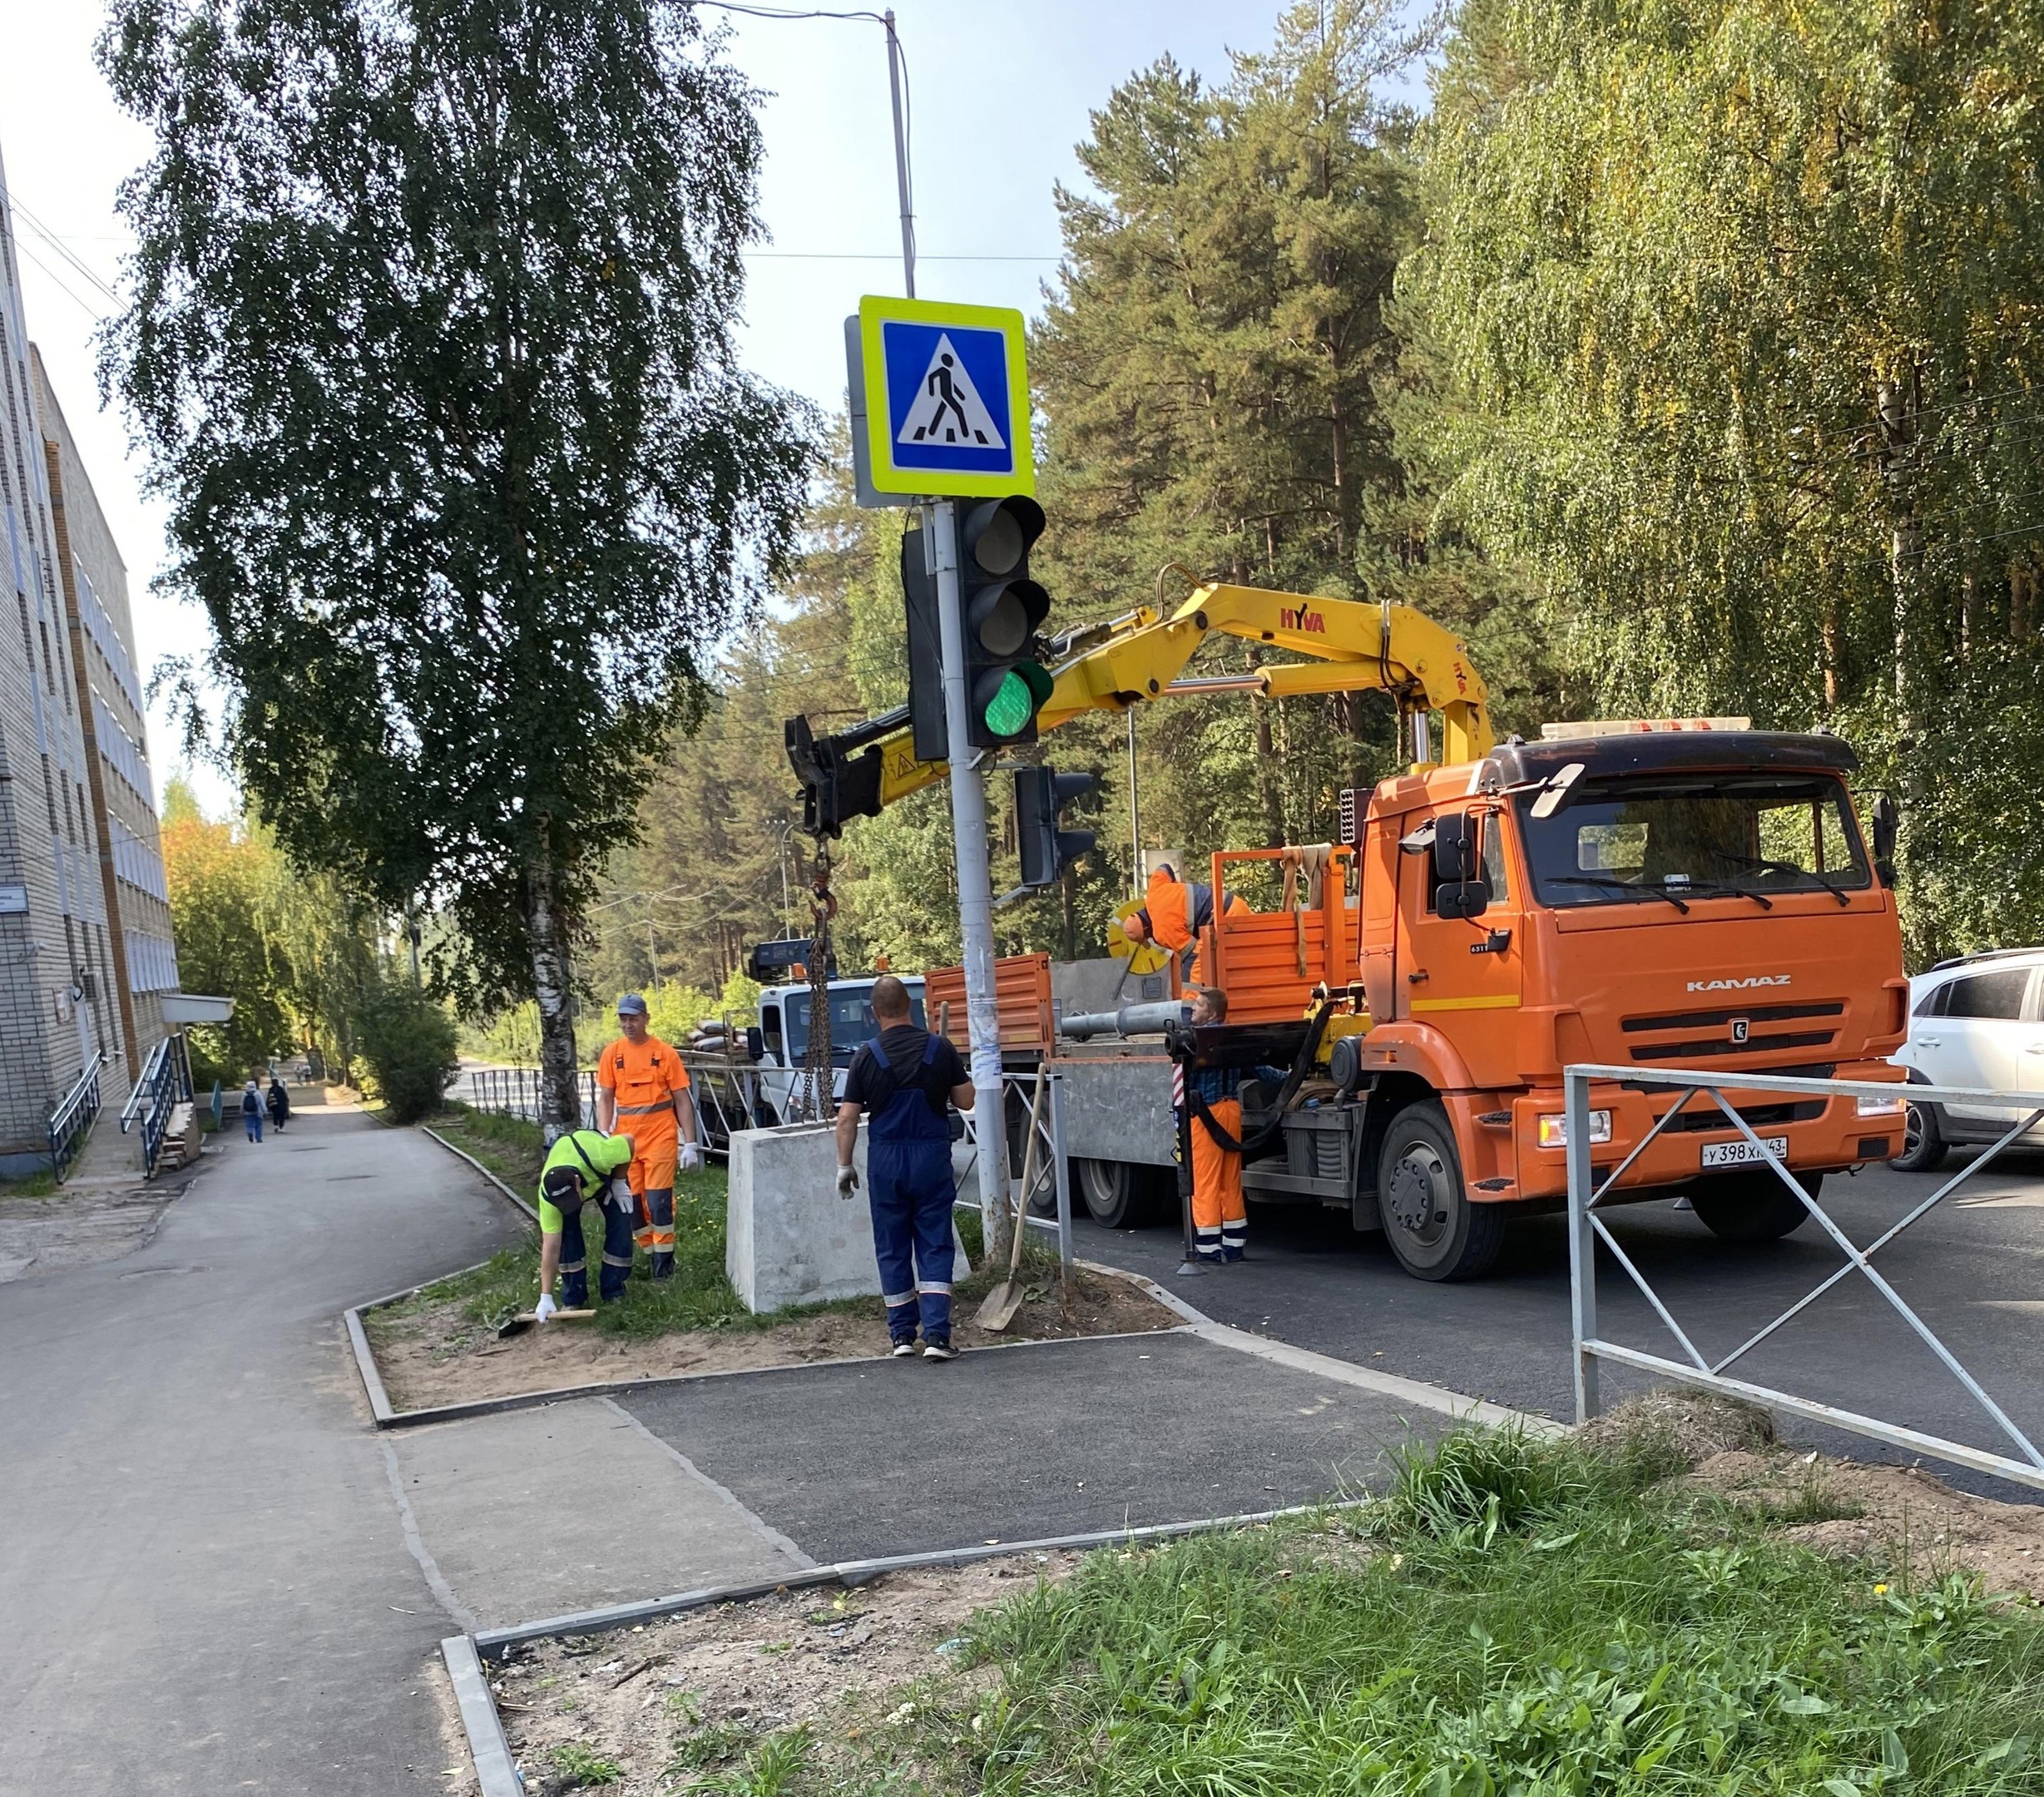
x,y
969,829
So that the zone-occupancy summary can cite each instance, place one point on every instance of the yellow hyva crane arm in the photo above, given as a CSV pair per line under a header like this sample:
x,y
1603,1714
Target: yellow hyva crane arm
x,y
1357,646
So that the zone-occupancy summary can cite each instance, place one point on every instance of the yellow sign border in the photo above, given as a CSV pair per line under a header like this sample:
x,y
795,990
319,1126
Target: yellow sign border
x,y
876,309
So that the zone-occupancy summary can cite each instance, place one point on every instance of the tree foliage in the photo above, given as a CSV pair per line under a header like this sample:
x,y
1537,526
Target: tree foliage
x,y
1737,313
293,951
432,349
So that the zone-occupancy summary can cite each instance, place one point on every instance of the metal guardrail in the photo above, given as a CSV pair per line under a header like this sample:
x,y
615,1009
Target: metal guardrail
x,y
1586,1229
71,1122
727,1096
1052,1179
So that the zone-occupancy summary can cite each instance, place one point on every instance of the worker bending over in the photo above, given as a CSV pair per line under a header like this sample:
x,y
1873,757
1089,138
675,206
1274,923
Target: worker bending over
x,y
582,1165
1220,1221
907,1078
1174,913
642,1086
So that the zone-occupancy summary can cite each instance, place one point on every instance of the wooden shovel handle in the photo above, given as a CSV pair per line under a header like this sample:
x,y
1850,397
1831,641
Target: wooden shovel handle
x,y
1029,1168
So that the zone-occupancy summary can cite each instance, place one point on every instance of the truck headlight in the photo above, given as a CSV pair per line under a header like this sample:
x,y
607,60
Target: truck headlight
x,y
1879,1106
1553,1128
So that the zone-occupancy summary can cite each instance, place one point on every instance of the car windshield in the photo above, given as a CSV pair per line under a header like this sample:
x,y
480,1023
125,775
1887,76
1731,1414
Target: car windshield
x,y
1694,835
851,1017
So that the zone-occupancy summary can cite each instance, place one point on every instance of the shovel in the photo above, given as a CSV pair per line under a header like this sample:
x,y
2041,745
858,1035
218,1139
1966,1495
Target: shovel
x,y
526,1320
1005,1299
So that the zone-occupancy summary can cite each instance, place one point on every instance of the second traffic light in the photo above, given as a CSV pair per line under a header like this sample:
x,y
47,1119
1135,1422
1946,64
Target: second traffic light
x,y
1040,793
1000,608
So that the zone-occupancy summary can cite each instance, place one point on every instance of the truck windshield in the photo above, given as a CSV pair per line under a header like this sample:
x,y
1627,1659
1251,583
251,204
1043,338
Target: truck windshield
x,y
851,1018
1694,835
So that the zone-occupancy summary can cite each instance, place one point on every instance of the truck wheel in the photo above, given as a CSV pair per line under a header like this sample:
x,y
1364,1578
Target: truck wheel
x,y
1923,1145
1433,1228
1117,1196
1752,1207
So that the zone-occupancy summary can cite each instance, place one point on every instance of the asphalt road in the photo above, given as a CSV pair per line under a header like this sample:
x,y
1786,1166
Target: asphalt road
x,y
207,1583
1973,1270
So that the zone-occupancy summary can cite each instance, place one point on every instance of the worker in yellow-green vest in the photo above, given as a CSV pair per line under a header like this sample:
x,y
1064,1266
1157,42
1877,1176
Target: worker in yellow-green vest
x,y
584,1165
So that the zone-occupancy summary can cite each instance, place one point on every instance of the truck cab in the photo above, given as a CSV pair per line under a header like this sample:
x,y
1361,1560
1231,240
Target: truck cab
x,y
784,1034
1628,896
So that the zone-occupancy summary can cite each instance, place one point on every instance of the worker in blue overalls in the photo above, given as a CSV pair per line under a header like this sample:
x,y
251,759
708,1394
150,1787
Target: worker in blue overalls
x,y
906,1079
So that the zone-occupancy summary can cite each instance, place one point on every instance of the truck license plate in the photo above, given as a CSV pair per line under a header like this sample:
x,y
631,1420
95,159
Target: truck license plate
x,y
1742,1152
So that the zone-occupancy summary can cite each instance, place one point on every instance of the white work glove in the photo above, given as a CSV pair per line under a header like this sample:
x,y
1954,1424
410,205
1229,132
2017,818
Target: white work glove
x,y
691,1157
621,1194
848,1182
545,1307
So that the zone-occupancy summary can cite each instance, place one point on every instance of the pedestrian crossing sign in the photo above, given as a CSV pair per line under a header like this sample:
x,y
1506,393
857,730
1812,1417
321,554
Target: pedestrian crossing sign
x,y
947,398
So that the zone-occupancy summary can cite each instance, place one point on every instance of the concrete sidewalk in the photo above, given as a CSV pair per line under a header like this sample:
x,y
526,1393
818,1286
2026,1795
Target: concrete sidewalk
x,y
208,1587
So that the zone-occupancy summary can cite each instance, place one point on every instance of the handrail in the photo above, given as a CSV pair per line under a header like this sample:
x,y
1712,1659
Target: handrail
x,y
70,1119
151,1069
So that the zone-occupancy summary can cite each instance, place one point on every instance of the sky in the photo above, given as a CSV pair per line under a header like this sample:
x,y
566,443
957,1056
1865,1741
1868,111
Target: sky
x,y
1000,93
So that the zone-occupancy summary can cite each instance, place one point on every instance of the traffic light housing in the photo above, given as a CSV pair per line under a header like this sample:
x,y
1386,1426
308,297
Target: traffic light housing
x,y
926,654
839,781
1002,607
1040,793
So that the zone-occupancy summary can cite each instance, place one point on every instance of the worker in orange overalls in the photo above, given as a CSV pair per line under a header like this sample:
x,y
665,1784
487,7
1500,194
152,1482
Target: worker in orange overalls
x,y
643,1089
1220,1220
1174,912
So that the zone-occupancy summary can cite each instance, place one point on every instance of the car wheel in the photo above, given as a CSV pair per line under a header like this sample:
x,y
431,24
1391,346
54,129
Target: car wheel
x,y
1923,1145
1433,1228
1117,1195
1753,1205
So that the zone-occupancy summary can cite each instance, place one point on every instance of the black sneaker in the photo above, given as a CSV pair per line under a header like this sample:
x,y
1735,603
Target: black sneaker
x,y
939,1348
903,1349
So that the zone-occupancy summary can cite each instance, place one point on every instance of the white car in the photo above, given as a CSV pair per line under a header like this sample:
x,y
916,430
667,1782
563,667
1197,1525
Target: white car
x,y
1977,1021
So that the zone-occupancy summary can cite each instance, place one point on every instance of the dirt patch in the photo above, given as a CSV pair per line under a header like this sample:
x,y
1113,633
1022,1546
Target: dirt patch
x,y
1682,1425
1905,1520
673,1702
436,1355
77,1226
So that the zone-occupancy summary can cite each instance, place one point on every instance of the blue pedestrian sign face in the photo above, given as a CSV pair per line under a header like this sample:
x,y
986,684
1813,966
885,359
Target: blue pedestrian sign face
x,y
947,398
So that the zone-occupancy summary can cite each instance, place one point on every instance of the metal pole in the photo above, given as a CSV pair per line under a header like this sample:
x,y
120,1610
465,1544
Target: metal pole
x,y
652,960
1062,1162
968,830
1582,1248
1135,815
901,159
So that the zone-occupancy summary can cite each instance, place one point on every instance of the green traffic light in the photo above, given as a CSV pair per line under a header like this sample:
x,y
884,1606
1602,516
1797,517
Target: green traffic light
x,y
1009,712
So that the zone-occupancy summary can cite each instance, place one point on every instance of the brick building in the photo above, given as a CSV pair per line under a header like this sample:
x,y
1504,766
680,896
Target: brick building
x,y
86,953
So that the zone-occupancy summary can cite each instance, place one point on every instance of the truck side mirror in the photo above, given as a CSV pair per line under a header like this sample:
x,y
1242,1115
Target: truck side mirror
x,y
755,1043
1886,821
1454,848
1462,899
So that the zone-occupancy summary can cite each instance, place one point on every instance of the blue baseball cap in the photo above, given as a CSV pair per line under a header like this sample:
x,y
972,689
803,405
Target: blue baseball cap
x,y
631,1005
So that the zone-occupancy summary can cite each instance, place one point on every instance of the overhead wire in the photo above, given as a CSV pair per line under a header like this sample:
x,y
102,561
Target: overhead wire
x,y
63,248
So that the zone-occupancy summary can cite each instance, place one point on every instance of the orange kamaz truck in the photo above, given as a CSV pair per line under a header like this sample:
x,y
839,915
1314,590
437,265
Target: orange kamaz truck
x,y
1686,893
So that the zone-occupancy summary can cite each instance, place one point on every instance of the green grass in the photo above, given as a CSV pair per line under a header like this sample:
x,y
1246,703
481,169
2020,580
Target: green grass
x,y
42,1184
1516,1617
579,1766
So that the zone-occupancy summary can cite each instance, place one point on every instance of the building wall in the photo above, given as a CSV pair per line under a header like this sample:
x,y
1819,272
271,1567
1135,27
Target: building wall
x,y
144,961
55,956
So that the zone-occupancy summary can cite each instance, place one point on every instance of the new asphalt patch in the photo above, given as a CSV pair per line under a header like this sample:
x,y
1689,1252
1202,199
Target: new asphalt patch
x,y
864,1460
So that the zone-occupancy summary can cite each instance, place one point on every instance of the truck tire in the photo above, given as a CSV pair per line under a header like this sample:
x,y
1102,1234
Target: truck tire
x,y
1117,1195
1751,1206
1923,1145
1433,1228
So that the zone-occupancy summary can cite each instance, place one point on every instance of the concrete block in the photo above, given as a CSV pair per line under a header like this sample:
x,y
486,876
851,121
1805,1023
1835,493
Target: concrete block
x,y
789,1238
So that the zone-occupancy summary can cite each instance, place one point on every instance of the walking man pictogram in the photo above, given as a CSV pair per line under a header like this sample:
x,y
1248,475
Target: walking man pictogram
x,y
940,383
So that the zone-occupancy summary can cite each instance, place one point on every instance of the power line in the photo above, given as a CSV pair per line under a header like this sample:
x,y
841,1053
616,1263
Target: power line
x,y
879,255
63,248
91,311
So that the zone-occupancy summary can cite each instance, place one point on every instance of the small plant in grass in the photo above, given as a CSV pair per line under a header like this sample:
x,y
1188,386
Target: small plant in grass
x,y
717,1745
770,1770
581,1766
1813,1501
